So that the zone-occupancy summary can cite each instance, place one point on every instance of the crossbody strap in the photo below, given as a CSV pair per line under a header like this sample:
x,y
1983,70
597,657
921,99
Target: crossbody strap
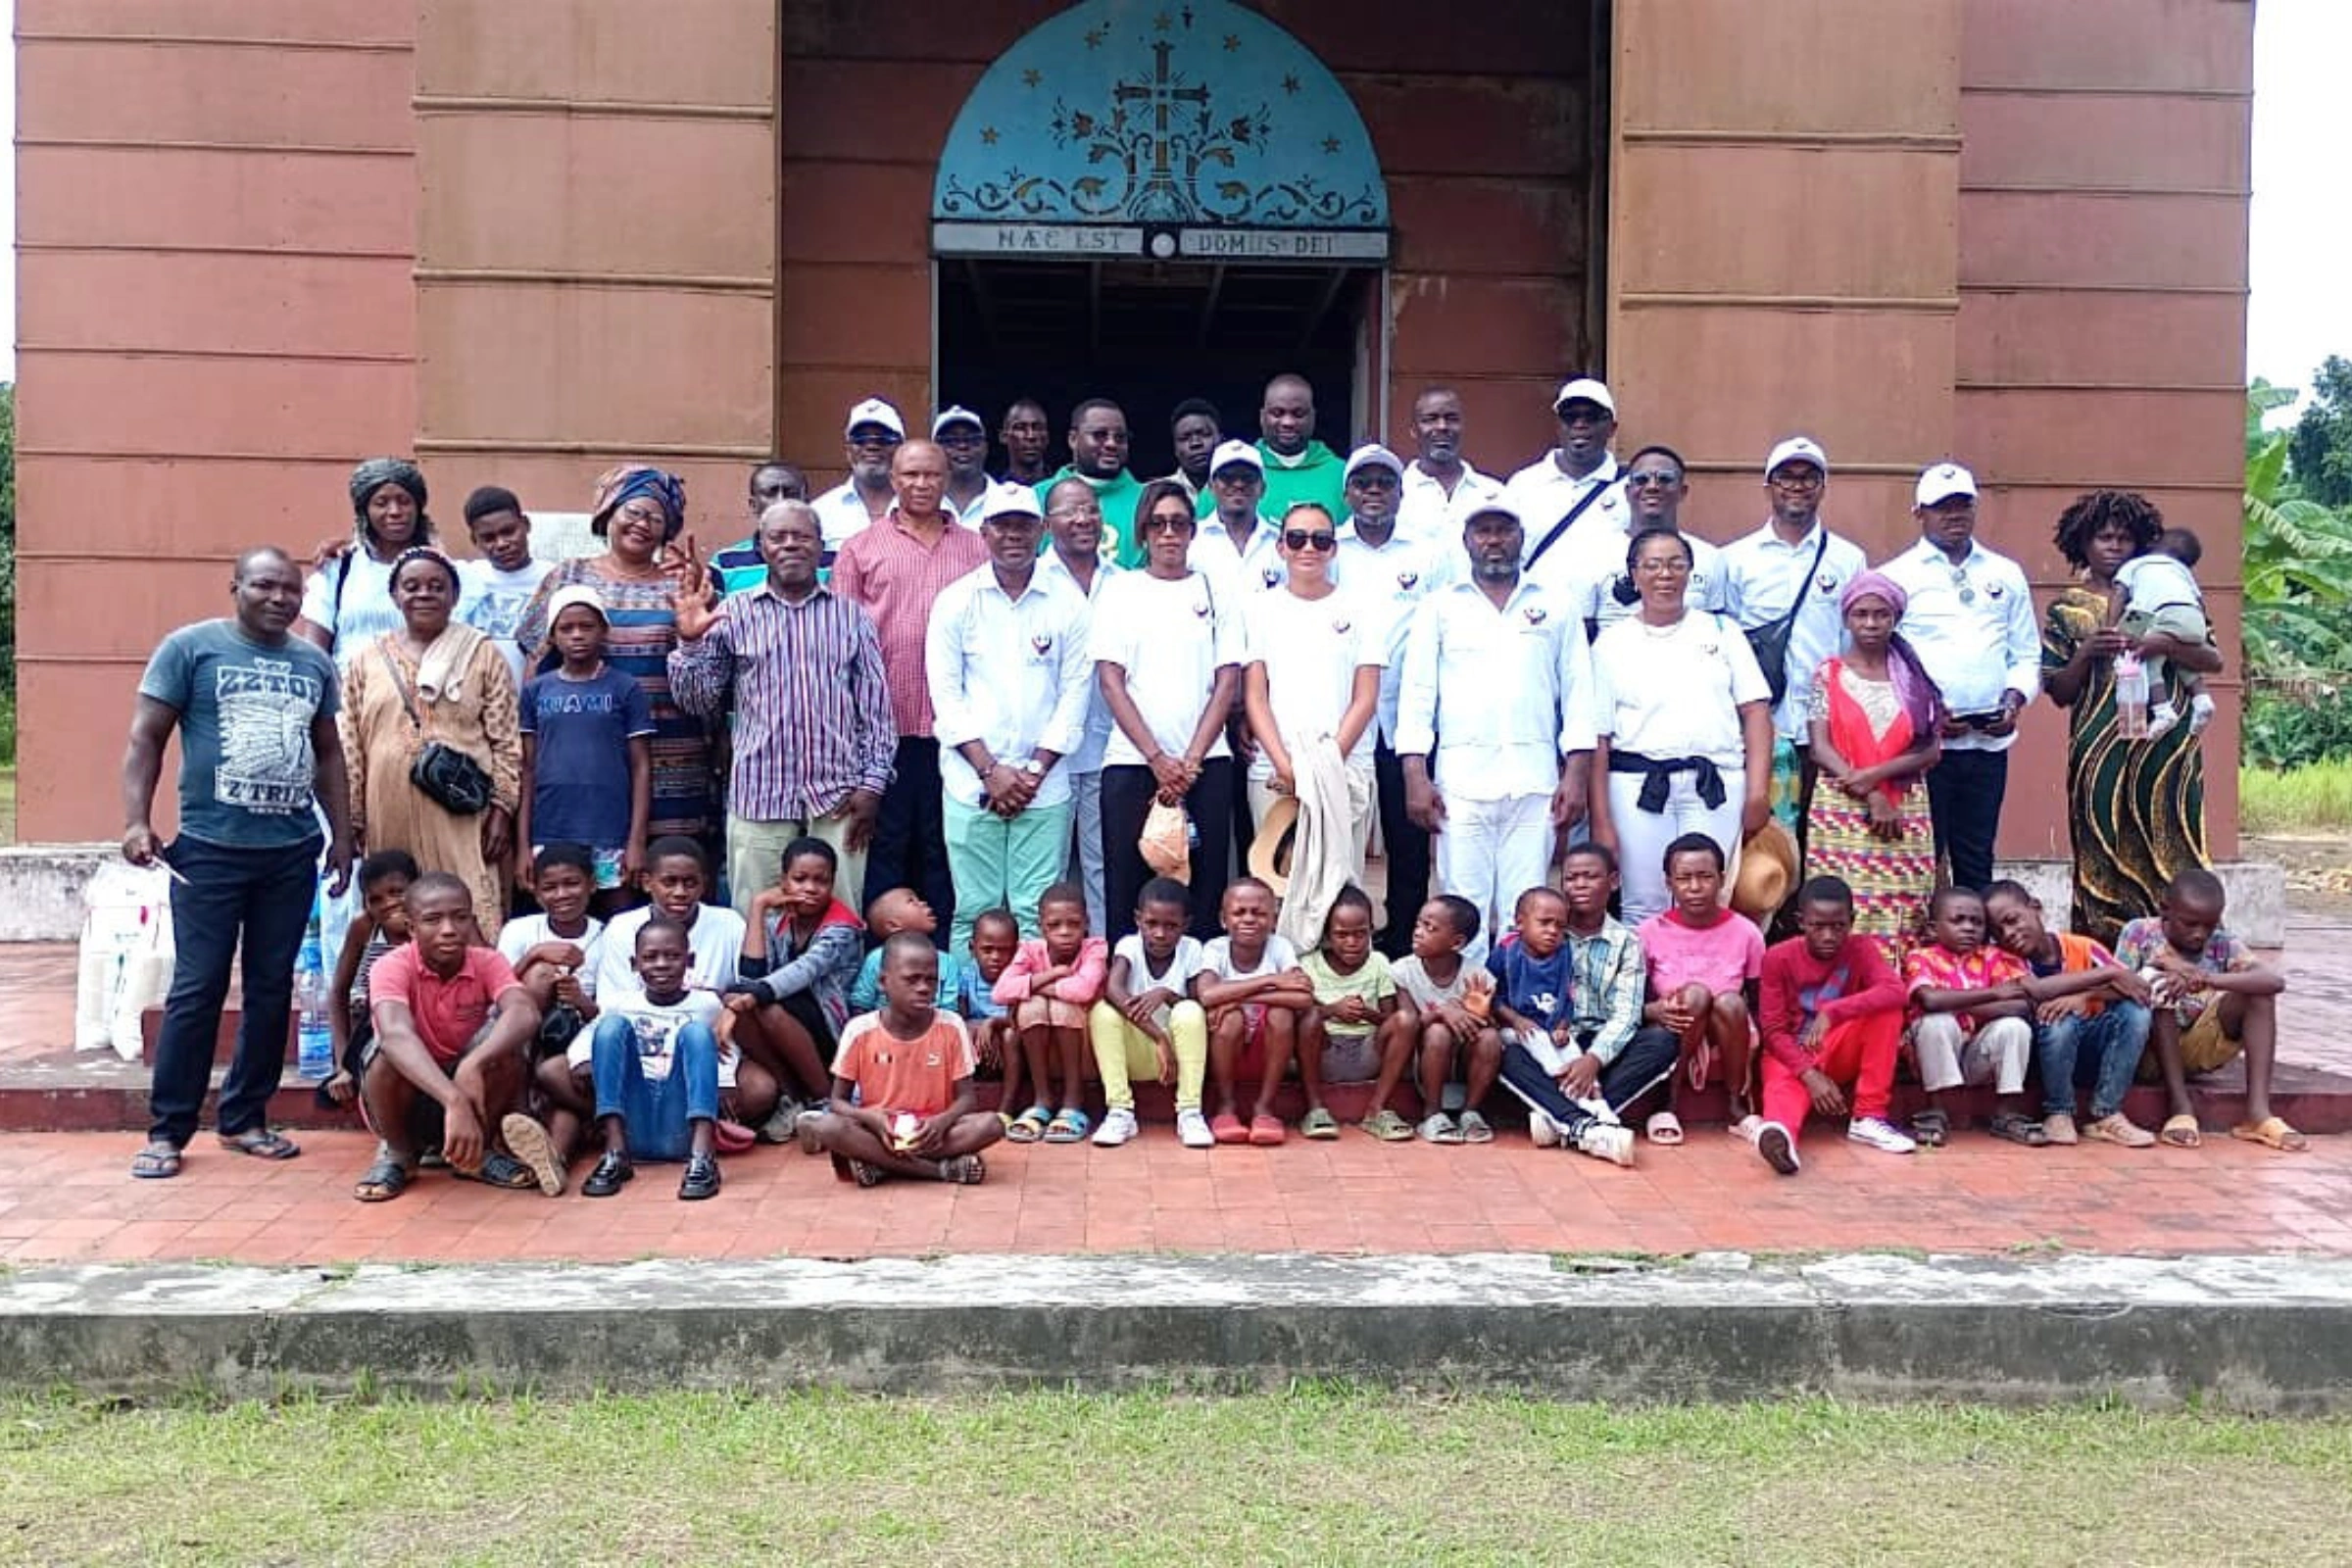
x,y
1796,601
1560,527
400,684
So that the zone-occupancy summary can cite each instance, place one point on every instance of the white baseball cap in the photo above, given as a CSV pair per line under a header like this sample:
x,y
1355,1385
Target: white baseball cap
x,y
1797,448
1474,506
1372,455
1583,389
1011,501
1944,481
956,414
1229,453
874,410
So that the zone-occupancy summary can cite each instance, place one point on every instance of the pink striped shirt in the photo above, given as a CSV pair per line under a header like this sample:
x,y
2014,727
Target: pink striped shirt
x,y
898,577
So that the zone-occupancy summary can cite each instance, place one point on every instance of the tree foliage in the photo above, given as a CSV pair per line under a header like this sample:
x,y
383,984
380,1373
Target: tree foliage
x,y
2298,588
2320,449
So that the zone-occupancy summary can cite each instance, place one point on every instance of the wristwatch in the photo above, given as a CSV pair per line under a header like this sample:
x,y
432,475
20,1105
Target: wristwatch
x,y
1031,766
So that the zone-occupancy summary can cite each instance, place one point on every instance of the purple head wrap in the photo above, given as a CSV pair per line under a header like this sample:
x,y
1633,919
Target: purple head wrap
x,y
1922,702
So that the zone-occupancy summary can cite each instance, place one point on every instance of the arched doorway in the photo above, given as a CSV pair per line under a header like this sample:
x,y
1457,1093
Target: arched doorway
x,y
1155,199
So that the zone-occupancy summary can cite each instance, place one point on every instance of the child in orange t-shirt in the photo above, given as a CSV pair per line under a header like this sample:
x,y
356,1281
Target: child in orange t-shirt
x,y
903,1103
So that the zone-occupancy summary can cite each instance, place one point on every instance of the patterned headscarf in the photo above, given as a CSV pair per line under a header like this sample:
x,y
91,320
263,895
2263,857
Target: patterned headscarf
x,y
631,481
375,474
1922,702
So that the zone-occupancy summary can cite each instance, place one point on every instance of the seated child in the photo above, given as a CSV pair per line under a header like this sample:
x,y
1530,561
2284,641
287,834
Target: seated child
x,y
995,938
1050,983
556,952
587,753
2212,1000
1704,962
2090,1019
791,998
1443,1003
1147,1021
1972,1019
903,1101
1250,986
450,1052
1355,1033
383,926
1568,1013
657,1063
1831,1015
886,915
2156,592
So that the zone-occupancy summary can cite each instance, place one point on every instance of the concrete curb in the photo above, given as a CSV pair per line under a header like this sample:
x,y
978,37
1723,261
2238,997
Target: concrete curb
x,y
2268,1335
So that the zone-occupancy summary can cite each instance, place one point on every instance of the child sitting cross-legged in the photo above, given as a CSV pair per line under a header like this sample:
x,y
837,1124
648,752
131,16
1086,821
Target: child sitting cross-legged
x,y
1972,1019
1704,961
2090,1020
1356,1032
791,1000
903,1103
383,880
1147,1021
1831,1013
1445,1003
1050,983
657,1061
1255,992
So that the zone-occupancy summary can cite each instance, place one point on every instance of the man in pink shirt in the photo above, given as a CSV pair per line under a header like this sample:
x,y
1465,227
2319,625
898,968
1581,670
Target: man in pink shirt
x,y
895,568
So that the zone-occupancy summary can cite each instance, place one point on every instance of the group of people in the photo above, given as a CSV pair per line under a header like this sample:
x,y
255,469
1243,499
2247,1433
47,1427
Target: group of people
x,y
1060,777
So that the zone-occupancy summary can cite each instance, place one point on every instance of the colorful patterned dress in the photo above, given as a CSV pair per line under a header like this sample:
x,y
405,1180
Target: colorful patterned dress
x,y
1892,878
2135,810
643,629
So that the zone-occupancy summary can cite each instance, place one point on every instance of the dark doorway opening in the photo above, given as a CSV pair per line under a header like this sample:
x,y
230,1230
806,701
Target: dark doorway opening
x,y
1150,334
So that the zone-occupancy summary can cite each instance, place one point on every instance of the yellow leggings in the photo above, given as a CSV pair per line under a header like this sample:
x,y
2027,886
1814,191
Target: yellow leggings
x,y
1123,1053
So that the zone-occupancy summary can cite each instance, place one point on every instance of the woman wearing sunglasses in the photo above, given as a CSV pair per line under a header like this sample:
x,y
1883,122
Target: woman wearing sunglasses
x,y
1311,690
1167,646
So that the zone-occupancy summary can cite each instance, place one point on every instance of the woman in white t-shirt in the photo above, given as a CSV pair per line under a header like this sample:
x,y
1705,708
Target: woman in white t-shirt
x,y
1685,723
347,604
1168,649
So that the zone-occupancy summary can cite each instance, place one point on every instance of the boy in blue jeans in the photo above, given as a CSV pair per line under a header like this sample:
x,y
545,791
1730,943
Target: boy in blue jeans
x,y
655,1058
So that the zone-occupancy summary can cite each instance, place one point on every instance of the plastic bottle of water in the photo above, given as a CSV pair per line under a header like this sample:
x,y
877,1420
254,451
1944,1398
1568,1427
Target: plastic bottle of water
x,y
314,1041
2130,697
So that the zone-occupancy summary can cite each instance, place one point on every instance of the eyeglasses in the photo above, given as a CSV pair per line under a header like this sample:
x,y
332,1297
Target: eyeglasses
x,y
642,512
1655,479
1300,539
1796,479
1670,567
1167,523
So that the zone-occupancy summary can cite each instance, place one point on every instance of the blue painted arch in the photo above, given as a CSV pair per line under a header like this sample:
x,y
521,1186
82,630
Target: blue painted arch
x,y
1160,112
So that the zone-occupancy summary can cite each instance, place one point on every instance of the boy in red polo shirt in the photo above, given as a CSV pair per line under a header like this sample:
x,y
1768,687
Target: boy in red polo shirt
x,y
453,1035
903,1101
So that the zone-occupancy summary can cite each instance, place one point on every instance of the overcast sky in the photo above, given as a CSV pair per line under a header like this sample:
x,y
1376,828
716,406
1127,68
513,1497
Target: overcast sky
x,y
2302,226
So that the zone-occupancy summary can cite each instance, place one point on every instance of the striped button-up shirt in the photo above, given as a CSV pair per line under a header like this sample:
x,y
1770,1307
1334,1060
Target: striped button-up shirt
x,y
898,578
811,711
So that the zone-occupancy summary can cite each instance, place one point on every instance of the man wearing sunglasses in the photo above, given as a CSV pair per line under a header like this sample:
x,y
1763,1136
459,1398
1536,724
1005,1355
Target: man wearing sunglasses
x,y
870,440
1239,548
1575,480
1098,456
1971,622
1656,483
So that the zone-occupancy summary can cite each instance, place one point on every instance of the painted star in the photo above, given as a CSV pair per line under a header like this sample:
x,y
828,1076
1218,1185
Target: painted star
x,y
988,136
1032,77
1331,144
1093,38
1233,42
1290,84
1162,22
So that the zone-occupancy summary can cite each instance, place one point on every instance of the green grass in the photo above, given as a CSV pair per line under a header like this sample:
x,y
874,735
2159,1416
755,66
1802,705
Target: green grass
x,y
1319,1477
2315,799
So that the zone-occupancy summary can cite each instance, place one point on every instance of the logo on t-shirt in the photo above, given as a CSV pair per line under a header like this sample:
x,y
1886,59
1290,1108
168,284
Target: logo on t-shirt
x,y
266,712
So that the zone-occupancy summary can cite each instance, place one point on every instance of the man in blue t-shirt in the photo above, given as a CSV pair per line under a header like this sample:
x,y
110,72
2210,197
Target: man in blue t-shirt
x,y
256,713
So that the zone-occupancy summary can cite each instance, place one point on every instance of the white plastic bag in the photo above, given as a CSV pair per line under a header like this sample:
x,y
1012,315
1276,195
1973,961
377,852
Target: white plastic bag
x,y
125,960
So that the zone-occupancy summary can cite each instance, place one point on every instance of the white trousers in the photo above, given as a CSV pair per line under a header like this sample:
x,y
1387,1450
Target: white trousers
x,y
1489,851
1996,1054
1642,836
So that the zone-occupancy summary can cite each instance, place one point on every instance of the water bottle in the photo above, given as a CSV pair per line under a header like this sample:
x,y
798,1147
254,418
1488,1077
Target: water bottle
x,y
2130,697
314,1041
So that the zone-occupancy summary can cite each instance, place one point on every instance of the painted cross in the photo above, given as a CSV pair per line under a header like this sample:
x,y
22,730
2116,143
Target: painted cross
x,y
1162,95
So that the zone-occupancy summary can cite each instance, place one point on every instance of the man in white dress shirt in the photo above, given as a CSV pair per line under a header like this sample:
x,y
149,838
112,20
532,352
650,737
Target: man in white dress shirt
x,y
1005,655
1391,571
1575,480
1074,525
1237,547
1971,622
871,440
1439,481
1656,482
1791,570
1497,685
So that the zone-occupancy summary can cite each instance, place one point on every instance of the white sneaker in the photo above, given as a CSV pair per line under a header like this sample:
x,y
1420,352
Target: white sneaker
x,y
1603,1142
1191,1129
1118,1126
1879,1134
1541,1129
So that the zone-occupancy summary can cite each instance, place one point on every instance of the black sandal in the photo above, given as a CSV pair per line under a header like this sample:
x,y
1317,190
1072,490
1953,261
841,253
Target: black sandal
x,y
504,1171
2019,1129
260,1142
1931,1128
382,1181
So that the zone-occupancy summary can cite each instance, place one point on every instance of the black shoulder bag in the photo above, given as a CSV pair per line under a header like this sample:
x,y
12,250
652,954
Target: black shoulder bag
x,y
1771,640
443,775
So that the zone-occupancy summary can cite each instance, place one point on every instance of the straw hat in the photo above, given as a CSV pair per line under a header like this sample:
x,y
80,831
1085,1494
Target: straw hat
x,y
1768,869
1270,850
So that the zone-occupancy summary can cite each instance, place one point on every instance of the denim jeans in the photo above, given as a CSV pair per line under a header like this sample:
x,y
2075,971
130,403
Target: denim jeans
x,y
2100,1054
1647,1062
264,897
657,1114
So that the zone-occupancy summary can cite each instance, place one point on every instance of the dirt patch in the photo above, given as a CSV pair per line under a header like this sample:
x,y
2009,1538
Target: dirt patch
x,y
2318,869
